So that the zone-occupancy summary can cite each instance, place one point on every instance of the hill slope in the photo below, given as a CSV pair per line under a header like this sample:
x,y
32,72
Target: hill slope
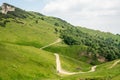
x,y
23,33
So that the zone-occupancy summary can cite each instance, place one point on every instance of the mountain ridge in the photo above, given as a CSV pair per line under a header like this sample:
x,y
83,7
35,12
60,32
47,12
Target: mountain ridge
x,y
23,33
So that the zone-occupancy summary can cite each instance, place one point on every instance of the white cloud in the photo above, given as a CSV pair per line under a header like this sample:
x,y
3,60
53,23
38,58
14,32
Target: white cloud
x,y
89,13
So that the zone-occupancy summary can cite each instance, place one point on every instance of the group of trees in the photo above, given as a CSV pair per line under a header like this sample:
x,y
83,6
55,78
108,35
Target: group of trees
x,y
106,47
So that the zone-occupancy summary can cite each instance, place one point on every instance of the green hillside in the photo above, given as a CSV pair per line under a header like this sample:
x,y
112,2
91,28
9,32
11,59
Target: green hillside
x,y
102,73
23,33
26,62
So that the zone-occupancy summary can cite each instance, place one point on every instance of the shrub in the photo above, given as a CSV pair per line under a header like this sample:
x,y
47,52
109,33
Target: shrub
x,y
56,24
2,24
42,18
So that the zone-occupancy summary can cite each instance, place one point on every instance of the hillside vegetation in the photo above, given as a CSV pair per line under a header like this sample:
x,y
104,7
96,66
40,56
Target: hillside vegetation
x,y
23,33
107,47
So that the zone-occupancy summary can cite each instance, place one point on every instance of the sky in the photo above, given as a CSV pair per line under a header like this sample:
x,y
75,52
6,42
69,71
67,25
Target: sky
x,y
101,15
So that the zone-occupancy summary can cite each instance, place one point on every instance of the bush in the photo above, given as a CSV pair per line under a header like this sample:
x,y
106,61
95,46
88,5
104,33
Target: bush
x,y
42,18
36,21
56,24
2,24
56,30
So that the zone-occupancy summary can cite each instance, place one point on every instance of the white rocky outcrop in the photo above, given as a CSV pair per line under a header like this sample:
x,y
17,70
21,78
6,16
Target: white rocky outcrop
x,y
6,8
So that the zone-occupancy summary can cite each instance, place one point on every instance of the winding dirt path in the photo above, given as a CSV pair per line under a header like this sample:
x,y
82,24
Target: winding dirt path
x,y
114,64
57,41
61,71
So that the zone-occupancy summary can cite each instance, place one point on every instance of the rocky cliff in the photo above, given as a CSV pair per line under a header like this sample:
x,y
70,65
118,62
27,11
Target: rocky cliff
x,y
6,8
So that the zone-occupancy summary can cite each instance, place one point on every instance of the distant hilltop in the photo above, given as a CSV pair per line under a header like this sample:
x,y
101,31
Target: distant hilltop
x,y
6,8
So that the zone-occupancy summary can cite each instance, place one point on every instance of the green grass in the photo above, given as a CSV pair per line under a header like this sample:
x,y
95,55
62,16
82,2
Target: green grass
x,y
27,62
21,58
102,73
116,77
74,65
73,51
28,33
24,62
